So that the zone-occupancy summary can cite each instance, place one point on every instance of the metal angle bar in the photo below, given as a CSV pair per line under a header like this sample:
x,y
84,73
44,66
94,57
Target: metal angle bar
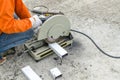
x,y
58,49
30,74
55,72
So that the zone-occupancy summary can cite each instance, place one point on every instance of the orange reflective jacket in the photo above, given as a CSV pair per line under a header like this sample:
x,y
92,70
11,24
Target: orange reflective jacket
x,y
10,25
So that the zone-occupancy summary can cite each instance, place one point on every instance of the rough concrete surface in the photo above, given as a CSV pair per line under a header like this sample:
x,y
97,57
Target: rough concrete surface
x,y
100,19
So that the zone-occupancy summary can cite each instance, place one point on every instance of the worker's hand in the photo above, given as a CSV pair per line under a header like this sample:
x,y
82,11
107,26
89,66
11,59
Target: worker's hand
x,y
36,22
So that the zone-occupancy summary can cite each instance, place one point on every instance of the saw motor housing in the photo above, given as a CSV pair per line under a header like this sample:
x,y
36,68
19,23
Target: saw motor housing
x,y
56,28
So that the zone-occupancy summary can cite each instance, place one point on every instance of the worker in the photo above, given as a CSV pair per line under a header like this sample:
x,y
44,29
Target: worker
x,y
15,31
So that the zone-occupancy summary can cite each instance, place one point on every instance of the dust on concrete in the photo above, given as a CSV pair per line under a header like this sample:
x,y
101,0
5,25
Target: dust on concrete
x,y
100,19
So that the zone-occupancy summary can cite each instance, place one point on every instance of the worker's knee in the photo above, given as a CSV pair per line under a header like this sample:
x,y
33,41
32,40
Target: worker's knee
x,y
8,41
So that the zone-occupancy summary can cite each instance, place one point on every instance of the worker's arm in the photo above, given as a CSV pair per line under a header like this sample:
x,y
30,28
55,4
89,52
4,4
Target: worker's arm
x,y
16,26
21,10
10,25
21,25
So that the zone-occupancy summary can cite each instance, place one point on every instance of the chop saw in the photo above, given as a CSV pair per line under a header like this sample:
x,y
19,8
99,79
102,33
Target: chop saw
x,y
55,28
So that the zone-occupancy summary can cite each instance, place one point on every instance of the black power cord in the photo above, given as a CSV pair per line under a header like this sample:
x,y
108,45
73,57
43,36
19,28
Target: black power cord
x,y
116,57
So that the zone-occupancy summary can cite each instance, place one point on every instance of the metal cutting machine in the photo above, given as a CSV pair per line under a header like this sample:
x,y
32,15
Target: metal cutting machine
x,y
55,29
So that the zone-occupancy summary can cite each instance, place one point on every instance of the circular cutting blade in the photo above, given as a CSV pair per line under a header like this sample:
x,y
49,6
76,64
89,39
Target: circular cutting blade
x,y
54,27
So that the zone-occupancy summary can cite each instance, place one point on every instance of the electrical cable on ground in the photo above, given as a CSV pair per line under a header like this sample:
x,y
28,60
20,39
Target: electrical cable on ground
x,y
116,57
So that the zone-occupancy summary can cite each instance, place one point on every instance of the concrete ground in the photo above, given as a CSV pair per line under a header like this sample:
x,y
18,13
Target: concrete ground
x,y
100,19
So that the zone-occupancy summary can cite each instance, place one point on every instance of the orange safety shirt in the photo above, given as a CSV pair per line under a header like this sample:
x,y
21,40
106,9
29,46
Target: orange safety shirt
x,y
10,25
